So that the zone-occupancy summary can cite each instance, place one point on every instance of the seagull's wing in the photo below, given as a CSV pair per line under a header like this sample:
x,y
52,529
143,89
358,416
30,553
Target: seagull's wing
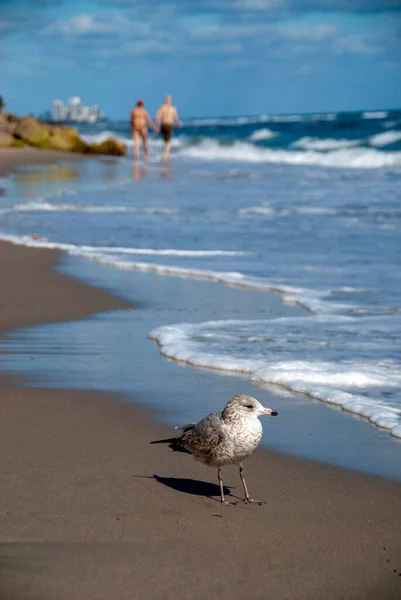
x,y
185,427
204,437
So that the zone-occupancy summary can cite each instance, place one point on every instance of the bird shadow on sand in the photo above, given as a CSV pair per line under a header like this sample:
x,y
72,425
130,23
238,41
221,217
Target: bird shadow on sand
x,y
191,486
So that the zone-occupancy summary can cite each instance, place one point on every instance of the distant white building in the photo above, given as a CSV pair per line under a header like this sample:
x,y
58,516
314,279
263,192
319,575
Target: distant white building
x,y
84,113
58,110
75,108
75,111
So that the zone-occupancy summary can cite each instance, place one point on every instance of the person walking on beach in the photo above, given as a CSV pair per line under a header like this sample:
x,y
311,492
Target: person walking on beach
x,y
139,127
166,118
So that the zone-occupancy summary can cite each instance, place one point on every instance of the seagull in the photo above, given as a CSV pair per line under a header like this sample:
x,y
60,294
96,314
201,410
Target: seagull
x,y
225,438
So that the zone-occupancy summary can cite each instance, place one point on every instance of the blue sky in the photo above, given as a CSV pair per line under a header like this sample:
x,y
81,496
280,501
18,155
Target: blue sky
x,y
216,57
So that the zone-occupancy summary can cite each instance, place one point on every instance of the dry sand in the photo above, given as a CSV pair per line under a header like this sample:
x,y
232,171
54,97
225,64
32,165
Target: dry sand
x,y
90,511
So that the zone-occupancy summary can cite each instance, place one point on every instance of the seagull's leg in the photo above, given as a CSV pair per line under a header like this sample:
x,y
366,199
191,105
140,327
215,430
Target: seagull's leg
x,y
247,499
220,477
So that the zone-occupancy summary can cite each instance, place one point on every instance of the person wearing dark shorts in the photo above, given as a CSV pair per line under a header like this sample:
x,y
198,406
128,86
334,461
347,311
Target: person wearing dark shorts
x,y
167,132
166,118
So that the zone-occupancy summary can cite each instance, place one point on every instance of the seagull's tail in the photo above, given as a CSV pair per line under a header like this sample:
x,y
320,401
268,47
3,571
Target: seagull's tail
x,y
168,441
174,444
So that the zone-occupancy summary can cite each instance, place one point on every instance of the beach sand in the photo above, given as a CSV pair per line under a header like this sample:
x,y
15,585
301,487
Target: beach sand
x,y
89,510
11,158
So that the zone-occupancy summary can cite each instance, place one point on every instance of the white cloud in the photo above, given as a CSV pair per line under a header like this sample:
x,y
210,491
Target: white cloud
x,y
85,24
355,44
143,47
233,48
215,49
303,70
314,33
147,47
256,4
334,40
227,31
237,63
79,25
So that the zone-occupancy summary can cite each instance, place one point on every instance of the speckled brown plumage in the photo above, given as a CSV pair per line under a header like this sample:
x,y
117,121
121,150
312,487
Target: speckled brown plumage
x,y
224,438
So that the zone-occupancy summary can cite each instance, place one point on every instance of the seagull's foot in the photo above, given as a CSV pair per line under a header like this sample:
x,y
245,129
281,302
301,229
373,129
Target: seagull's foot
x,y
224,502
252,501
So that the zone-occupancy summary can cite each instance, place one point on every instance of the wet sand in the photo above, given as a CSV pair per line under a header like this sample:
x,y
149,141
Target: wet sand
x,y
29,296
11,158
89,510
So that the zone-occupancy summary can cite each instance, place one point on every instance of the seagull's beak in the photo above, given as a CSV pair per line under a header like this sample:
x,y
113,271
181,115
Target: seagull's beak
x,y
270,411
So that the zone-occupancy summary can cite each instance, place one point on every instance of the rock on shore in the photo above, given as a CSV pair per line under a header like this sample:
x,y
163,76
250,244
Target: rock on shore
x,y
27,131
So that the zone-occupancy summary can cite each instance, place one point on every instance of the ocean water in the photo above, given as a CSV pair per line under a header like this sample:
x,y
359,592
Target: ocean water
x,y
308,207
364,139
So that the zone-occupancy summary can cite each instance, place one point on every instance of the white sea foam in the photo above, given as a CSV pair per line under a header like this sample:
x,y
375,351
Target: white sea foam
x,y
225,121
363,158
324,117
303,118
262,134
310,210
311,143
378,114
162,252
385,139
218,121
39,206
287,118
312,300
252,211
256,210
98,138
99,252
367,383
154,142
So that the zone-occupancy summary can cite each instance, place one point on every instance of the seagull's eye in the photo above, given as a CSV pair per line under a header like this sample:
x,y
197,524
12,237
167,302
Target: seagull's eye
x,y
249,405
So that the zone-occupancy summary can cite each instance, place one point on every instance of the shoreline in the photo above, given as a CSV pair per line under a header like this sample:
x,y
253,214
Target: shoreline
x,y
12,158
118,340
53,297
90,510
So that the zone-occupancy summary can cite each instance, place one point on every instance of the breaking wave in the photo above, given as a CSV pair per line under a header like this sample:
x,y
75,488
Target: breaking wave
x,y
358,157
355,140
310,143
262,134
378,114
263,350
387,138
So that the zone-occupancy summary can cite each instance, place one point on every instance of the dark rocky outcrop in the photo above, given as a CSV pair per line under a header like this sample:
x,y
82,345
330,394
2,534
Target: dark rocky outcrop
x,y
8,122
27,131
109,146
7,140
